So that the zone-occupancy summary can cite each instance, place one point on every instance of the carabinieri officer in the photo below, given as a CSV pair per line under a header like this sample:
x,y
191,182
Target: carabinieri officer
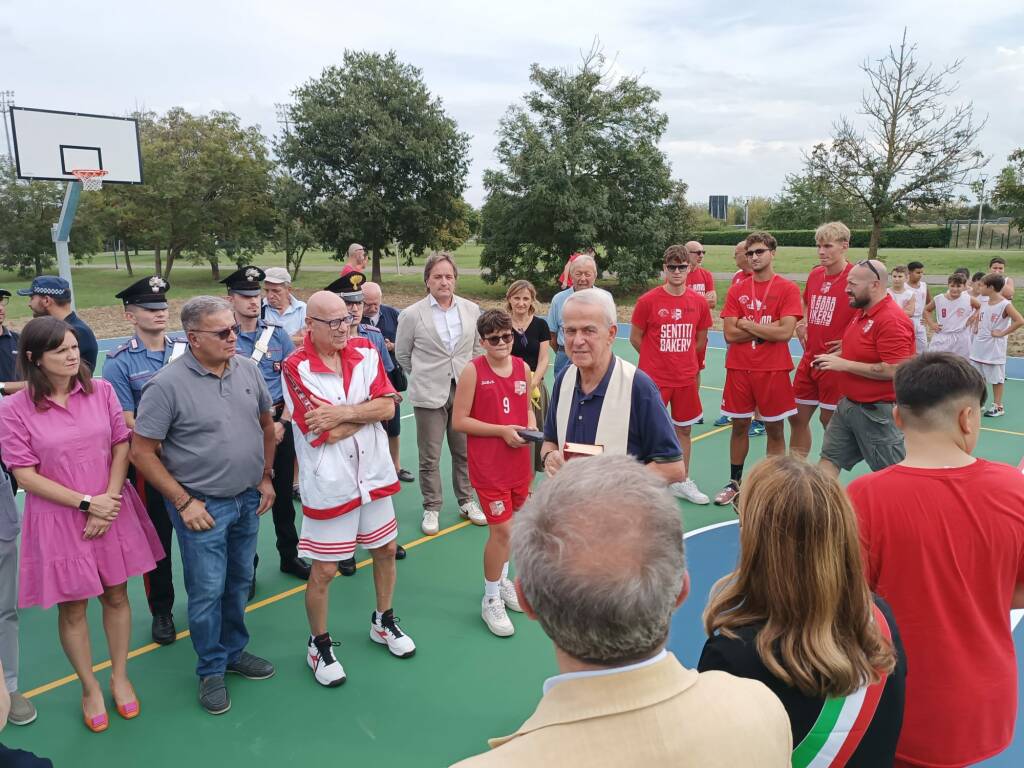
x,y
128,368
268,345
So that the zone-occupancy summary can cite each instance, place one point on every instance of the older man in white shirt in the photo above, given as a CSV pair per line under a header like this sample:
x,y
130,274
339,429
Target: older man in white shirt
x,y
280,307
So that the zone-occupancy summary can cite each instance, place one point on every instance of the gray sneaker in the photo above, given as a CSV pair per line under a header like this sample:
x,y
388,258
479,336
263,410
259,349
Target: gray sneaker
x,y
22,711
213,695
252,667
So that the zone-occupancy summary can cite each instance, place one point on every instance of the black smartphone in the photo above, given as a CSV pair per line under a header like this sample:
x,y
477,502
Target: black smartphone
x,y
531,435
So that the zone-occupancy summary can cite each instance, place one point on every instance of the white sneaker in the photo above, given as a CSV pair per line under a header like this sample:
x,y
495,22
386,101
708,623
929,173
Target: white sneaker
x,y
325,665
472,511
507,590
688,490
387,632
492,611
429,524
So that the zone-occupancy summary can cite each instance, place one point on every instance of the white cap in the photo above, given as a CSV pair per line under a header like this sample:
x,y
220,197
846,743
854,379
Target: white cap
x,y
277,275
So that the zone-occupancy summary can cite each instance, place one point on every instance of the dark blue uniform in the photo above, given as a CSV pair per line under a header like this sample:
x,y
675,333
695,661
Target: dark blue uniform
x,y
8,355
373,334
278,348
130,366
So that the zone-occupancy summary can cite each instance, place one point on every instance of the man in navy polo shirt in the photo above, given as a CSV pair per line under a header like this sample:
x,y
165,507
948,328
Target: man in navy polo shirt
x,y
51,296
9,383
601,403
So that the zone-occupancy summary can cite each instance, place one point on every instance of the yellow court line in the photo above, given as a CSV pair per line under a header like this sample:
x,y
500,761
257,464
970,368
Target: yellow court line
x,y
1002,431
712,432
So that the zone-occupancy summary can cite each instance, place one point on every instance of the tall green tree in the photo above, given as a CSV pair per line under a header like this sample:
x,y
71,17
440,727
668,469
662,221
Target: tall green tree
x,y
380,160
27,211
579,164
1009,189
807,201
292,234
913,149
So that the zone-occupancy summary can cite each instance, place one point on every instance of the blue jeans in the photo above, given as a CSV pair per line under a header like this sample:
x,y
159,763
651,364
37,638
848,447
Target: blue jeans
x,y
218,567
561,361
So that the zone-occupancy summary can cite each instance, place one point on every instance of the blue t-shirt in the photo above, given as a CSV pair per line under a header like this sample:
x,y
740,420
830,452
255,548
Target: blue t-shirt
x,y
279,347
555,314
651,435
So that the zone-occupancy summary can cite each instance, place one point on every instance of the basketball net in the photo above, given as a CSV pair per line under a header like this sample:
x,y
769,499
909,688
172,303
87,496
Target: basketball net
x,y
91,179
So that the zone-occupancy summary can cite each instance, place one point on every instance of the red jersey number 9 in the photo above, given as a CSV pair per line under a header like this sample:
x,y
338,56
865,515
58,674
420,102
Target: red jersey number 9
x,y
505,406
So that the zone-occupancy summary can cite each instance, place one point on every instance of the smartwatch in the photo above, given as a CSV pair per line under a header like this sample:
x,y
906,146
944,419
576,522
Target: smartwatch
x,y
85,502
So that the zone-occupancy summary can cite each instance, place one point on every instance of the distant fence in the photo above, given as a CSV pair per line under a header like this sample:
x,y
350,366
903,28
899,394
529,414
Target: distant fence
x,y
996,234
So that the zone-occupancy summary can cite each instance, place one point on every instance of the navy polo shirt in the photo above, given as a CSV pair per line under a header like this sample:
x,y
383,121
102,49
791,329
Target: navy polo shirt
x,y
8,355
88,347
651,435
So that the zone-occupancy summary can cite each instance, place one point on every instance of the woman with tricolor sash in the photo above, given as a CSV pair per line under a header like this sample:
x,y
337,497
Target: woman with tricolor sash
x,y
797,615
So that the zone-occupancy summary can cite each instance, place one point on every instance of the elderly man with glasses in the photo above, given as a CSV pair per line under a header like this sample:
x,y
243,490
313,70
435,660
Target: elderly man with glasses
x,y
205,439
878,339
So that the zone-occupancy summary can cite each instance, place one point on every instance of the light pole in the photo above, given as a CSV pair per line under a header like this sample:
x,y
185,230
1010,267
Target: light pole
x,y
6,102
981,207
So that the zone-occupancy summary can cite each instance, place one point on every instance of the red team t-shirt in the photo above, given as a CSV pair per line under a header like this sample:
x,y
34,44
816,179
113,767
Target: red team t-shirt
x,y
668,351
499,400
739,277
945,548
763,302
700,280
881,334
828,308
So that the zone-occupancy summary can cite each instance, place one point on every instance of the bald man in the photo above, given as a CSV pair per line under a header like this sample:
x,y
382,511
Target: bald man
x,y
699,279
356,259
878,339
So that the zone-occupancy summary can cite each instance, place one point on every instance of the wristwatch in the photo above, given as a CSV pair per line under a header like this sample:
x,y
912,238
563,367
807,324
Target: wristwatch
x,y
85,502
2,385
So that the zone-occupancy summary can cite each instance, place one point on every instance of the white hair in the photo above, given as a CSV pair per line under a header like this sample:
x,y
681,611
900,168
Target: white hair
x,y
199,307
582,260
595,297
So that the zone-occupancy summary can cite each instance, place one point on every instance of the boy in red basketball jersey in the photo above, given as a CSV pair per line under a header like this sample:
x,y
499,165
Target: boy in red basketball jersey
x,y
670,331
760,315
492,403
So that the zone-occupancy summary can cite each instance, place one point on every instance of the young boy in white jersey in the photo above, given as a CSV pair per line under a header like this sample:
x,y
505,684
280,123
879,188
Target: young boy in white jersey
x,y
916,283
948,316
903,296
976,284
999,318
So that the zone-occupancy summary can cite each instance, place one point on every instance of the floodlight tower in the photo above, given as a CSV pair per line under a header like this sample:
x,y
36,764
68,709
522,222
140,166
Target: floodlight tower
x,y
981,207
7,101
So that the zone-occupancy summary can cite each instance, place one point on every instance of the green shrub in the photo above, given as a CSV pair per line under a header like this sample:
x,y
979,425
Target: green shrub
x,y
892,237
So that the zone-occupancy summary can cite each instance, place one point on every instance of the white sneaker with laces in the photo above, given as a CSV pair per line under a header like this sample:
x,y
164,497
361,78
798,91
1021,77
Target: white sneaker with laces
x,y
325,665
689,491
387,632
472,511
507,590
492,611
429,524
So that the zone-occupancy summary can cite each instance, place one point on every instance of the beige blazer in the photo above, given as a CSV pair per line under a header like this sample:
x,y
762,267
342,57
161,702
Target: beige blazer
x,y
425,357
662,714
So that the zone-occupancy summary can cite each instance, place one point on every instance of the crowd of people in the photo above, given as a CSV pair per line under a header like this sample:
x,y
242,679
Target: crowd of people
x,y
860,627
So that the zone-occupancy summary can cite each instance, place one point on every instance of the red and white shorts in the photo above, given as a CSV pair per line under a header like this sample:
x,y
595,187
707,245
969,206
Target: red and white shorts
x,y
683,403
499,504
768,392
371,525
813,386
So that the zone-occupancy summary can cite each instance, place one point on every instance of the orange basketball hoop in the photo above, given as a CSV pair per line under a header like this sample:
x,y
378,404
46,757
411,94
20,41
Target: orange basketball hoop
x,y
92,179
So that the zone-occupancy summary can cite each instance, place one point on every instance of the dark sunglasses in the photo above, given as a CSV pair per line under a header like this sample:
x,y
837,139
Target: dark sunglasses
x,y
867,263
757,251
334,325
677,267
224,334
697,253
501,338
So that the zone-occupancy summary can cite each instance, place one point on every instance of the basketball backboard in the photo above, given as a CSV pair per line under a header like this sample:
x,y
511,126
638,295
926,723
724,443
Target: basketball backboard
x,y
48,145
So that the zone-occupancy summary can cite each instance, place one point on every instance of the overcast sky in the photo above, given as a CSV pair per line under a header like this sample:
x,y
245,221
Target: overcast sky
x,y
746,86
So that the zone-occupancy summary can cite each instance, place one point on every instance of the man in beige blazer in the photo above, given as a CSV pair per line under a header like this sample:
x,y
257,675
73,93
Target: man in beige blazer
x,y
599,551
436,339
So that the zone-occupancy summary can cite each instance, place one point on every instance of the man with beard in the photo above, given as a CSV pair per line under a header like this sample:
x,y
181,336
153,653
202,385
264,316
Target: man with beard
x,y
878,339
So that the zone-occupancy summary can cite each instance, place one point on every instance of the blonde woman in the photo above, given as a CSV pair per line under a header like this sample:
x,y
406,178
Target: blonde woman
x,y
532,343
797,615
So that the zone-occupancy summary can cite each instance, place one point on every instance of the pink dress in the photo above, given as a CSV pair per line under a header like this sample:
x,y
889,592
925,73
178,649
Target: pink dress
x,y
72,446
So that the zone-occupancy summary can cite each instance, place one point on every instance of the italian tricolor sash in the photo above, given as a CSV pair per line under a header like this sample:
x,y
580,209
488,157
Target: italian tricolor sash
x,y
842,722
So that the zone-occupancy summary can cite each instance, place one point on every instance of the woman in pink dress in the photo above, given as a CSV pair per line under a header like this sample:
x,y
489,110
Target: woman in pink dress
x,y
85,531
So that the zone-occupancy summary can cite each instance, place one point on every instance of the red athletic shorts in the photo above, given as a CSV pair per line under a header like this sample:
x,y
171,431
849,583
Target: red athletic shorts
x,y
500,503
769,392
684,404
813,386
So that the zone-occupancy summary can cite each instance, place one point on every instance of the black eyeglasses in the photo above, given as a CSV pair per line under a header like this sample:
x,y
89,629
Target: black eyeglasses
x,y
757,251
334,325
697,253
867,263
502,338
677,267
224,333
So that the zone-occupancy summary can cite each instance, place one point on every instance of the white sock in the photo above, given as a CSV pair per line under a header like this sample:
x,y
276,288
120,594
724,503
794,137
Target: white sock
x,y
491,589
504,571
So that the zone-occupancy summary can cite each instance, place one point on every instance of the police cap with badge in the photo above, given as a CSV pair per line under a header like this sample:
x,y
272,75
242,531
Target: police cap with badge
x,y
245,281
349,286
148,293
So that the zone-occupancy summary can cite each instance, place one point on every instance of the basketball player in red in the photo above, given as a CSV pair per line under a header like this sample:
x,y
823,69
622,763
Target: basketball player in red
x,y
759,316
492,405
827,312
670,331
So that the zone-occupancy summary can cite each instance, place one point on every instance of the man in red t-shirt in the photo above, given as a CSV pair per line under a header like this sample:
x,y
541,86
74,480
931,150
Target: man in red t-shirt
x,y
827,312
356,261
877,340
699,279
492,406
760,314
670,331
949,560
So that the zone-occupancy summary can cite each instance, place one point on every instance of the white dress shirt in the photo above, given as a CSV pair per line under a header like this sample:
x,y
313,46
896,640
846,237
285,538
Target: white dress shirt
x,y
293,319
551,682
447,322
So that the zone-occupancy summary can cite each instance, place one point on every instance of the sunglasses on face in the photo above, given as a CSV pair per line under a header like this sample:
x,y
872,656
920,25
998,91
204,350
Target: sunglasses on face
x,y
697,253
224,333
334,325
502,338
677,267
757,251
867,263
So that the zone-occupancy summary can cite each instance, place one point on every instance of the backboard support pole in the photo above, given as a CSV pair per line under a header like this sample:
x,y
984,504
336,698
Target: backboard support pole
x,y
61,232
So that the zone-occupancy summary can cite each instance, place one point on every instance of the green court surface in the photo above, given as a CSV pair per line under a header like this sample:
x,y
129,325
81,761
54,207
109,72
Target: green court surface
x,y
462,686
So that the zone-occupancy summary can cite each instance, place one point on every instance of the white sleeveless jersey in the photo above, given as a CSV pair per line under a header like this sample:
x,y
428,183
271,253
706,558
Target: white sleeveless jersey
x,y
952,314
984,348
921,294
901,298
